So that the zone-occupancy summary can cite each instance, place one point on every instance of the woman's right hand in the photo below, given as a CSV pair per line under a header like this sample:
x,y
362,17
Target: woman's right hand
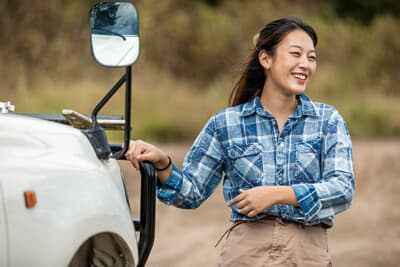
x,y
141,151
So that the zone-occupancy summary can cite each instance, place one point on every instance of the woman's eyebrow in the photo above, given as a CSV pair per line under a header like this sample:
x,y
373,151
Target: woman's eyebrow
x,y
301,48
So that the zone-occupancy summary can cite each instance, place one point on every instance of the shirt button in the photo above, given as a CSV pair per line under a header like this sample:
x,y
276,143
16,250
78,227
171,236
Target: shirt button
x,y
273,122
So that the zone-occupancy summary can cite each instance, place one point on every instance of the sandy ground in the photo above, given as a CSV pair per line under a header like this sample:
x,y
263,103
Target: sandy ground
x,y
368,234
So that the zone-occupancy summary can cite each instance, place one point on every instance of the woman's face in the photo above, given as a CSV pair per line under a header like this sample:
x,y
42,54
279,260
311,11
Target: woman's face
x,y
293,64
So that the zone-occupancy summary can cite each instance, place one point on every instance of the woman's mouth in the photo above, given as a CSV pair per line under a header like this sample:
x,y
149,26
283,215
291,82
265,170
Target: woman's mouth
x,y
300,77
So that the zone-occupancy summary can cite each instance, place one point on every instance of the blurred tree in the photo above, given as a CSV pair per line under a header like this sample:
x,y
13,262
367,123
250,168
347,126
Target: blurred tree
x,y
364,10
105,14
213,2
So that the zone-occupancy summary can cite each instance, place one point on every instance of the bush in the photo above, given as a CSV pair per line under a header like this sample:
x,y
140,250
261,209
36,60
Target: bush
x,y
192,53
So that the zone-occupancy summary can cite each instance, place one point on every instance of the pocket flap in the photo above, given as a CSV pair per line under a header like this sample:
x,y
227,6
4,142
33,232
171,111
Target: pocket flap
x,y
242,150
305,148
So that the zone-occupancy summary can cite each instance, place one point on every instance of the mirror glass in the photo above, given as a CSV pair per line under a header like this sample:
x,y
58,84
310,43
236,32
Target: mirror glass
x,y
114,36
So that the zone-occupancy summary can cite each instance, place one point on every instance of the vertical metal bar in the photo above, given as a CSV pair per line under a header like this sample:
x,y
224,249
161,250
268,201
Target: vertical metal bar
x,y
128,98
147,211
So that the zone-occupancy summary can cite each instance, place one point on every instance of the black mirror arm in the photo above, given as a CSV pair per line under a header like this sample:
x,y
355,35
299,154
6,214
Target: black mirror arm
x,y
106,98
97,137
126,78
128,96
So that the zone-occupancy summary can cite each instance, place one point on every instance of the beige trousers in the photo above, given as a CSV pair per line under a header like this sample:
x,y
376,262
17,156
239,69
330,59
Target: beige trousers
x,y
275,243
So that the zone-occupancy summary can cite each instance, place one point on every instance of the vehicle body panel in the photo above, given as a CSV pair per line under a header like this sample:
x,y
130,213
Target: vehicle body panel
x,y
3,231
78,195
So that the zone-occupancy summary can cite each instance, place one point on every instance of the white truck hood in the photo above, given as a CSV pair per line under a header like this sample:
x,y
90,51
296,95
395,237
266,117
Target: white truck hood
x,y
78,195
37,147
25,138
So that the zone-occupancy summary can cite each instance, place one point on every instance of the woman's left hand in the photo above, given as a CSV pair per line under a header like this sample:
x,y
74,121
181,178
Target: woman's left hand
x,y
256,200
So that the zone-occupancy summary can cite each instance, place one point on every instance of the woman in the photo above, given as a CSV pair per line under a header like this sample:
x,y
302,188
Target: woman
x,y
287,160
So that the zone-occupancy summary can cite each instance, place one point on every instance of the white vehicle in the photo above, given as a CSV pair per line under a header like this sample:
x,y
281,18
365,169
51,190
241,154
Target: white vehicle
x,y
62,194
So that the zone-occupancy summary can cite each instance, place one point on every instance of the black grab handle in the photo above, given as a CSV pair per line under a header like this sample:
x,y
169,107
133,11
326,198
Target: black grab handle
x,y
147,211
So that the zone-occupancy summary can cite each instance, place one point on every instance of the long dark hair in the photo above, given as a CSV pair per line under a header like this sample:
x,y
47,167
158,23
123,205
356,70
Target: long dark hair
x,y
253,78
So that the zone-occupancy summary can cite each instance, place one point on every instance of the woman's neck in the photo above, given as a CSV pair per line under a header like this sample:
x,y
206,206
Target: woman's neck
x,y
278,104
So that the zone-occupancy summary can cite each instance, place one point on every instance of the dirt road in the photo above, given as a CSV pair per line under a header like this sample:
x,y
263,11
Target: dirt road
x,y
368,234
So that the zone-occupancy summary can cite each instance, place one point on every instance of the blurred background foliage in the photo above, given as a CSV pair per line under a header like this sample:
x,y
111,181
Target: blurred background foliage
x,y
192,53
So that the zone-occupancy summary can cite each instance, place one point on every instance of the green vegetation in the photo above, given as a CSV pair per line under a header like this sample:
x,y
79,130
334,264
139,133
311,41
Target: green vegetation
x,y
191,55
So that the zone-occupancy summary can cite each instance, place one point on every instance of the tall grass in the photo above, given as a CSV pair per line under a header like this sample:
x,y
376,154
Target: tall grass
x,y
191,56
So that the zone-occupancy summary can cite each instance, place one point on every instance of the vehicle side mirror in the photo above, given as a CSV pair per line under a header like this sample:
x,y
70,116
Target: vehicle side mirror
x,y
114,36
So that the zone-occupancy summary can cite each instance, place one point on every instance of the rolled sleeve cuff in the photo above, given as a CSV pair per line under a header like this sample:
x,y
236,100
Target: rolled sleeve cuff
x,y
167,193
308,200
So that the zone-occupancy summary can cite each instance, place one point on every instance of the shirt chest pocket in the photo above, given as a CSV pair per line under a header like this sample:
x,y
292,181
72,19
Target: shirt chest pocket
x,y
307,161
245,168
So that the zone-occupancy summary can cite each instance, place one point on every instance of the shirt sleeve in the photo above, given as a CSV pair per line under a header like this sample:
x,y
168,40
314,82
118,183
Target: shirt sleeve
x,y
201,173
334,193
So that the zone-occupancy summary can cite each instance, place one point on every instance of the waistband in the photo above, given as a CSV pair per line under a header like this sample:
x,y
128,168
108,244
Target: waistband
x,y
267,218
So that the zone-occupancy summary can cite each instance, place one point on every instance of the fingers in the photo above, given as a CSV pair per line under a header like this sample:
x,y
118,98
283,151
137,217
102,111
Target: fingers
x,y
244,204
130,153
249,210
135,152
246,209
147,155
252,213
235,200
238,198
141,151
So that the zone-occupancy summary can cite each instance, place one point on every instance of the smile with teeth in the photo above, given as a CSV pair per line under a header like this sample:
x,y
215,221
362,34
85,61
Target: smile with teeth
x,y
300,76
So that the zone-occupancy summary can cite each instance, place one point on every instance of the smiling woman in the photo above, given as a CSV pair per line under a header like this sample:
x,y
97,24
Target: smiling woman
x,y
287,160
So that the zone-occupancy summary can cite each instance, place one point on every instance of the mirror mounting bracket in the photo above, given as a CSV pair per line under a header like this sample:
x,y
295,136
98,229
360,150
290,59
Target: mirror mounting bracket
x,y
97,136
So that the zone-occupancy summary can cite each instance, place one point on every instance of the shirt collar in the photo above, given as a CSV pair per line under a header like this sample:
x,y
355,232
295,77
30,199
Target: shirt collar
x,y
254,106
305,108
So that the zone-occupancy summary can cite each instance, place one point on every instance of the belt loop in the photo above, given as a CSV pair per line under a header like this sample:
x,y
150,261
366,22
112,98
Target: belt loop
x,y
280,221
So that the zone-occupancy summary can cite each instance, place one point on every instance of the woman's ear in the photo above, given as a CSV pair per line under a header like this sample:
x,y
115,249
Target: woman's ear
x,y
265,59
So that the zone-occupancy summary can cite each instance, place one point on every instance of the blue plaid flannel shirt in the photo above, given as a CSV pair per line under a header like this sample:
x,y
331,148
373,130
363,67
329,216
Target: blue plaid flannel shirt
x,y
312,153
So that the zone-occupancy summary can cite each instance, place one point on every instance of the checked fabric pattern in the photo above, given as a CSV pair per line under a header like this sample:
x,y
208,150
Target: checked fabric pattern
x,y
242,147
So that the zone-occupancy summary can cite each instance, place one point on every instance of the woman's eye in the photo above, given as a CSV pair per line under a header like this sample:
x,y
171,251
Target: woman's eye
x,y
295,53
313,58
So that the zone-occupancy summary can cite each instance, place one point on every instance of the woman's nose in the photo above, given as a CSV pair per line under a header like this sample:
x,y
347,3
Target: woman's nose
x,y
304,63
